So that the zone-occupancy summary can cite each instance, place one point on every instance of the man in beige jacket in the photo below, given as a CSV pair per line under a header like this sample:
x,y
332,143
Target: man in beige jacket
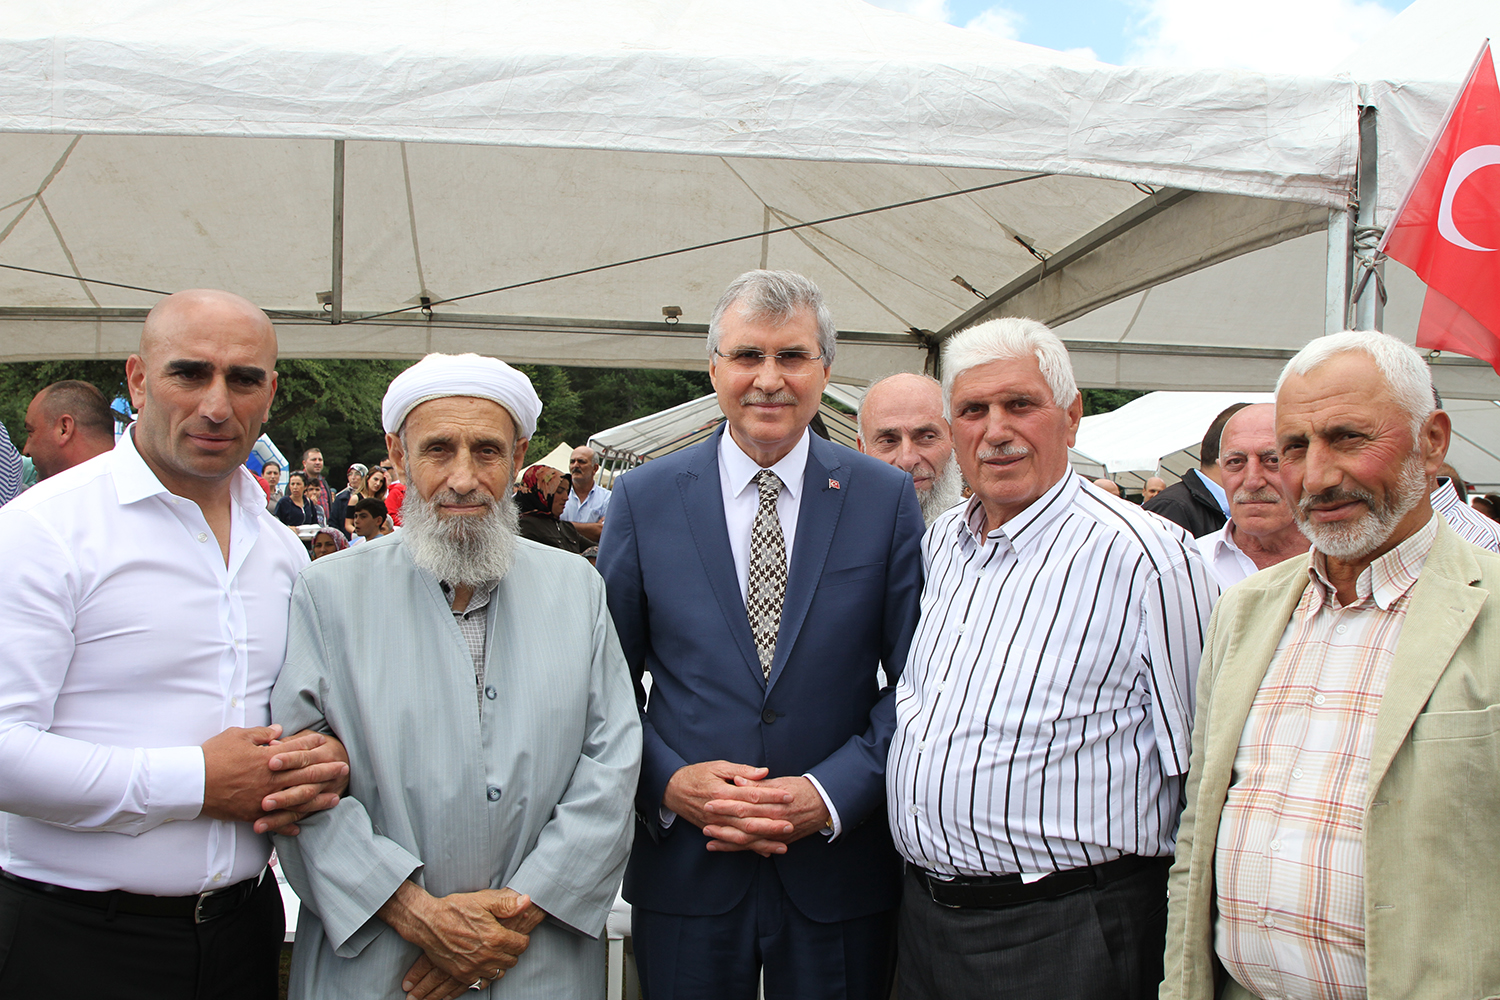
x,y
1343,801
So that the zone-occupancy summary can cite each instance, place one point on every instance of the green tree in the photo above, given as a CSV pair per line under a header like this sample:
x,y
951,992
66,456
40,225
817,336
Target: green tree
x,y
21,380
1104,400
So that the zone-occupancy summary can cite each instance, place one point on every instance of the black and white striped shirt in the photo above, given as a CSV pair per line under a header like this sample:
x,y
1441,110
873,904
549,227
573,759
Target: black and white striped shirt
x,y
1045,709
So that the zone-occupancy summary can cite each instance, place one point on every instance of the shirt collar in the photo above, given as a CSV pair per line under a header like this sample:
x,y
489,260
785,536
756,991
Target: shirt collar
x,y
741,468
1031,522
1387,578
480,598
135,481
1224,539
1220,497
1445,496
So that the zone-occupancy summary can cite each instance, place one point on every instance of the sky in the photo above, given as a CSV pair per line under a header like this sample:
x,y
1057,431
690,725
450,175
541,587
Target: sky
x,y
1274,36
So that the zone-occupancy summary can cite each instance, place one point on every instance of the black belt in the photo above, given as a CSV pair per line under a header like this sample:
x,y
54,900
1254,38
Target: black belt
x,y
1009,890
201,907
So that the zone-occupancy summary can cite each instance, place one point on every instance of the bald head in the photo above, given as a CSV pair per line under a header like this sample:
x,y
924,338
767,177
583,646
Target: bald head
x,y
1154,485
1109,486
203,384
901,423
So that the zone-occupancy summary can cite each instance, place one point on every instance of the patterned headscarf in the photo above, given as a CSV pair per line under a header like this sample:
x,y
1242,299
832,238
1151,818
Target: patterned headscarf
x,y
538,483
340,543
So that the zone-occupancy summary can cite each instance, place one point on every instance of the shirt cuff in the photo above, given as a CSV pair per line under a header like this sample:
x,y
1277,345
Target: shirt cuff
x,y
667,817
832,833
175,782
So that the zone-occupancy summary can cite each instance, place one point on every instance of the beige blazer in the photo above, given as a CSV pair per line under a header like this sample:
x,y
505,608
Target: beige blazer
x,y
1432,822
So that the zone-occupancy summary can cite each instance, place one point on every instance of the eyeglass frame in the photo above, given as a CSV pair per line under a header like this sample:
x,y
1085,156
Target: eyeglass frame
x,y
778,356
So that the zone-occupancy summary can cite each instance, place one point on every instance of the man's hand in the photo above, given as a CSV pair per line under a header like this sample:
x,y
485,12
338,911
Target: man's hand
x,y
461,934
237,773
285,808
740,825
425,981
742,802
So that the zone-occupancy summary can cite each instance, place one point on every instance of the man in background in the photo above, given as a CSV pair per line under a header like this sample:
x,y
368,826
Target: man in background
x,y
312,469
901,423
67,423
1261,531
1451,500
1154,485
587,500
1197,501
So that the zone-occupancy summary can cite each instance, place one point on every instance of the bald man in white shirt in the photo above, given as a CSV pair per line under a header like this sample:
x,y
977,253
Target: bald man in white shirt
x,y
145,621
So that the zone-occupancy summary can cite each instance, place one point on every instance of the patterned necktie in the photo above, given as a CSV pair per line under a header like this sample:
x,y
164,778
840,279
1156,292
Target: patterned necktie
x,y
766,589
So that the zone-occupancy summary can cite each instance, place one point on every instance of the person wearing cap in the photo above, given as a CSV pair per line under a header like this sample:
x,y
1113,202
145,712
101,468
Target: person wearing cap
x,y
493,738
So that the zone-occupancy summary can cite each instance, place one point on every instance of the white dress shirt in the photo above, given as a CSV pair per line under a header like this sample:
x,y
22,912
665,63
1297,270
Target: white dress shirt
x,y
127,643
737,472
1224,559
1470,525
1044,713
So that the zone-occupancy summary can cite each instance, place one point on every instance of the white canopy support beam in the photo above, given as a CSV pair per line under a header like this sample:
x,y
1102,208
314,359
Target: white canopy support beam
x,y
337,302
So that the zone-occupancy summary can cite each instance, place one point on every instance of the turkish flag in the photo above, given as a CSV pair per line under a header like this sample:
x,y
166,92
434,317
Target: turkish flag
x,y
1448,229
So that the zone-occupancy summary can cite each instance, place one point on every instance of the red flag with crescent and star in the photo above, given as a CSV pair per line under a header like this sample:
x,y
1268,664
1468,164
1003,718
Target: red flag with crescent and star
x,y
1448,229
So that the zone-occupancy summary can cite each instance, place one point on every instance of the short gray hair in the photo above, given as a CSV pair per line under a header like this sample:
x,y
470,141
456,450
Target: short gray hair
x,y
775,296
1403,369
1005,340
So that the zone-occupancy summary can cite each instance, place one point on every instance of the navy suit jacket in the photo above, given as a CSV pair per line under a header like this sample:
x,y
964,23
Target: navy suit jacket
x,y
851,605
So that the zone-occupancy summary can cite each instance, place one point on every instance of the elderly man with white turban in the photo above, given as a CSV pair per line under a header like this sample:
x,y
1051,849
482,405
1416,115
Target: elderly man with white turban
x,y
477,683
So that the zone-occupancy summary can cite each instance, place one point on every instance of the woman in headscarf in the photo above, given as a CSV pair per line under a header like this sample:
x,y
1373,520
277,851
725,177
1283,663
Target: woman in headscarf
x,y
541,496
328,541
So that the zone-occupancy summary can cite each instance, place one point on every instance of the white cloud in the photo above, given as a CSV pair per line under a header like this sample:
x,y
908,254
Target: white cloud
x,y
999,21
1274,36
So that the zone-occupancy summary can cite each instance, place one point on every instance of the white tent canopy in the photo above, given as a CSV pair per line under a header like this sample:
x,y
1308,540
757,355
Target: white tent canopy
x,y
373,154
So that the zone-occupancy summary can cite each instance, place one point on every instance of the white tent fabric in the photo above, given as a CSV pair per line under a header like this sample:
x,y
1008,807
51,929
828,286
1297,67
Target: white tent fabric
x,y
470,145
1264,305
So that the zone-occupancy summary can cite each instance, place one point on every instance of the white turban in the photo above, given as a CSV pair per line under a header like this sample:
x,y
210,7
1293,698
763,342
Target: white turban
x,y
438,376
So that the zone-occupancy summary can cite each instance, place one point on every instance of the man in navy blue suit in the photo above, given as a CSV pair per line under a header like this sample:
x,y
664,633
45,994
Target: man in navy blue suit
x,y
763,578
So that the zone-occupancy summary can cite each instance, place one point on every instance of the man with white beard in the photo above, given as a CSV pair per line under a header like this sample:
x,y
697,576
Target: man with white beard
x,y
901,423
1342,814
494,743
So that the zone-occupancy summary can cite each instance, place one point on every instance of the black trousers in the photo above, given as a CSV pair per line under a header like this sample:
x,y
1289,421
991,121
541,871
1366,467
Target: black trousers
x,y
1101,943
53,947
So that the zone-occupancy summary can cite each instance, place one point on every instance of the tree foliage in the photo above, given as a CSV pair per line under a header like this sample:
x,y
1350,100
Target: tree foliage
x,y
1104,400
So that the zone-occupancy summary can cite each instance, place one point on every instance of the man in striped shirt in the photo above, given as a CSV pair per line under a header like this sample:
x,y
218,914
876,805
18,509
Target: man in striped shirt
x,y
1043,716
1339,838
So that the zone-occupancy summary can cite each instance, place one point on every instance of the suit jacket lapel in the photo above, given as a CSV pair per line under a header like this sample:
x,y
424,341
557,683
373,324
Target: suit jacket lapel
x,y
703,509
817,516
1442,610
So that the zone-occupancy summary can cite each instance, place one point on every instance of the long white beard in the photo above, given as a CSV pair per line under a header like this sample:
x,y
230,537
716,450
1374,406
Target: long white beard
x,y
1353,540
461,550
947,490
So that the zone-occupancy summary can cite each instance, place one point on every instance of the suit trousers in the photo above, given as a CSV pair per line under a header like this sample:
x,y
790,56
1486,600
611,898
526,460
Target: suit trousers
x,y
54,947
721,957
1099,943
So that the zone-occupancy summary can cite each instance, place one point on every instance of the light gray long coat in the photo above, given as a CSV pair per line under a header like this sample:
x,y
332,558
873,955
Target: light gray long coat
x,y
529,786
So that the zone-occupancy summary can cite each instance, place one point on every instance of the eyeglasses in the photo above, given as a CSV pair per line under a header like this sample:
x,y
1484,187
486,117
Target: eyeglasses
x,y
386,468
793,363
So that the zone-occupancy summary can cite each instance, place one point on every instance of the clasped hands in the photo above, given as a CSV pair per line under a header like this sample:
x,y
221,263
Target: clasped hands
x,y
741,808
466,937
253,776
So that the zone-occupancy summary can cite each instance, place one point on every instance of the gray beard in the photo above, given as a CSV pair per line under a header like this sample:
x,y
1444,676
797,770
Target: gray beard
x,y
1356,540
947,490
460,550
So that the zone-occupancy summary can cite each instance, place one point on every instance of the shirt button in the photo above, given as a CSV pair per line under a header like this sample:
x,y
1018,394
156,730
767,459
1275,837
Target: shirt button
x,y
202,536
490,692
1342,629
943,686
218,876
1275,845
1271,922
235,702
960,630
1318,699
492,793
1297,772
921,745
912,809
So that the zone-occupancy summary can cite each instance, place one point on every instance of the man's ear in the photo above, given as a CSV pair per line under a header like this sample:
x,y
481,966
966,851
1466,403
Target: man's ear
x,y
397,453
518,461
1434,438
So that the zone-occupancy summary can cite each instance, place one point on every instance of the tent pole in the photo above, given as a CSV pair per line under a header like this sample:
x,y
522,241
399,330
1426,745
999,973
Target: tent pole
x,y
1340,257
338,231
1369,302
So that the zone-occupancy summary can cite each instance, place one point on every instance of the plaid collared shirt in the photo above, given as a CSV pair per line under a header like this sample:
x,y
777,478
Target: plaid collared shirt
x,y
1290,861
472,622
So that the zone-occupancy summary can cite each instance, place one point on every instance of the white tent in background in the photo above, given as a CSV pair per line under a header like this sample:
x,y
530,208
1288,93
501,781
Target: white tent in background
x,y
343,163
641,440
1159,433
